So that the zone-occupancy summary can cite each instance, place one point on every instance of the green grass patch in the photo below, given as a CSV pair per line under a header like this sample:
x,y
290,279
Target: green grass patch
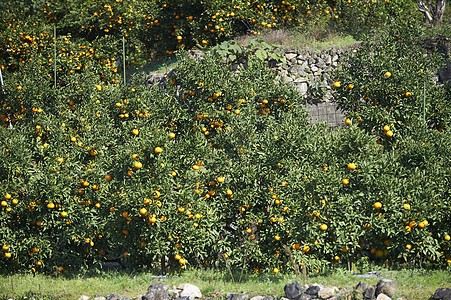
x,y
412,284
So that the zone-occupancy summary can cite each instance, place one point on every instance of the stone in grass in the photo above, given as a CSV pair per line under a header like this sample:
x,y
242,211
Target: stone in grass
x,y
313,290
84,297
327,293
99,298
382,297
156,291
361,286
257,298
231,296
157,286
387,287
113,296
185,298
190,290
293,289
304,296
370,293
442,294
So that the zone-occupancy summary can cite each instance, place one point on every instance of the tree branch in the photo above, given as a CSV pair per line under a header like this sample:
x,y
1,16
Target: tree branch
x,y
424,9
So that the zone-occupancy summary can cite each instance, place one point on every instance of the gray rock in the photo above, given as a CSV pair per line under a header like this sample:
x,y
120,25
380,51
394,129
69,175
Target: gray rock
x,y
156,293
320,64
328,60
126,298
297,70
174,293
382,297
290,56
361,286
300,79
231,296
387,287
268,298
190,290
113,296
370,293
302,88
314,68
157,286
99,298
293,289
185,298
84,297
313,290
442,293
327,293
304,296
287,79
257,298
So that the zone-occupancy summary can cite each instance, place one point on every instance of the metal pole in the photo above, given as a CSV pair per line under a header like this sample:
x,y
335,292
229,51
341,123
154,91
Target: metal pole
x,y
54,58
424,104
123,57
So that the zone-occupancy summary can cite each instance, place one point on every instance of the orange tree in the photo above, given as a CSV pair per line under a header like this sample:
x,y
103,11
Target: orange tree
x,y
213,167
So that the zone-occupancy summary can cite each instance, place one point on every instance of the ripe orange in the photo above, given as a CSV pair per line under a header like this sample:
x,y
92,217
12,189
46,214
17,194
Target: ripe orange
x,y
386,128
182,261
158,150
409,246
220,179
323,227
387,74
377,205
181,209
389,133
135,131
8,196
275,270
447,237
108,177
337,84
4,203
99,87
195,167
306,249
7,255
172,135
50,205
277,238
138,165
143,211
5,247
407,206
63,214
39,263
337,258
351,166
177,257
348,121
346,181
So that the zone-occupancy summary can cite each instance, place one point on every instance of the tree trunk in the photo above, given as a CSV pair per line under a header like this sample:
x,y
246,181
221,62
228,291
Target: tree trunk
x,y
434,13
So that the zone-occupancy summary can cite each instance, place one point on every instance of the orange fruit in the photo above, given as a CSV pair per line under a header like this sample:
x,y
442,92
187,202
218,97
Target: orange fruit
x,y
447,237
387,74
4,203
181,209
182,261
389,133
138,165
277,238
50,205
248,230
323,227
8,196
143,211
135,131
409,246
5,247
99,87
108,177
7,255
195,167
63,214
377,205
220,179
386,128
275,270
337,258
348,121
351,166
177,257
346,181
407,206
172,135
337,84
306,249
39,263
158,150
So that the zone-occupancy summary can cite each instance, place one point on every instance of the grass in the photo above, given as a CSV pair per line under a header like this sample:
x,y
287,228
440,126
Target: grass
x,y
412,284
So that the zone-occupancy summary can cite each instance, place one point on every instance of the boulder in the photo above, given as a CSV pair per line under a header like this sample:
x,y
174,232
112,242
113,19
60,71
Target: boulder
x,y
327,293
113,296
156,291
370,293
387,287
293,289
190,290
232,296
313,290
382,297
304,296
442,294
